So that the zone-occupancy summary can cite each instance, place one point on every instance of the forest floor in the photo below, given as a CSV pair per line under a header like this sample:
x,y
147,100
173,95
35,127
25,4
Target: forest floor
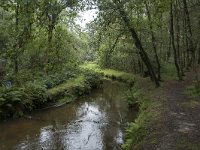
x,y
178,124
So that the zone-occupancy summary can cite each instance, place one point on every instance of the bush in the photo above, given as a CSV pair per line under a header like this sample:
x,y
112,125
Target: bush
x,y
11,102
93,79
137,130
15,101
133,96
197,88
194,91
35,94
58,78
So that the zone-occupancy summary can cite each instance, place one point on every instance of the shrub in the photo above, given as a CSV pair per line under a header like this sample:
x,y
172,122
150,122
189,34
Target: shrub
x,y
133,96
35,94
10,103
137,130
15,101
93,79
58,78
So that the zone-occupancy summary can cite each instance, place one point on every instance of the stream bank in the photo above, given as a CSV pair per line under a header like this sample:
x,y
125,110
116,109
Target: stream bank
x,y
96,121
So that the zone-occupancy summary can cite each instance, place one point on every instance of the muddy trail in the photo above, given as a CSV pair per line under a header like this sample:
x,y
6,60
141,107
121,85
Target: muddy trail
x,y
179,125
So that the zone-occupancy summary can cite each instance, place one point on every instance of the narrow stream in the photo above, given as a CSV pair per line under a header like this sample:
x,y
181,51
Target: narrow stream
x,y
95,122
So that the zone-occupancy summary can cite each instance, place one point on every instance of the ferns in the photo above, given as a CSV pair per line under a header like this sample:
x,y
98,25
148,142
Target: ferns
x,y
15,101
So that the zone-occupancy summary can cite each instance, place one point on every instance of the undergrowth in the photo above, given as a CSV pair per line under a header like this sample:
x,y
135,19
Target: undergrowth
x,y
15,101
137,130
168,71
194,91
110,73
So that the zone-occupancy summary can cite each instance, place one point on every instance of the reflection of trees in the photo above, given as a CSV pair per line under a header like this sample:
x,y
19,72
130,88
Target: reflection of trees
x,y
113,93
105,110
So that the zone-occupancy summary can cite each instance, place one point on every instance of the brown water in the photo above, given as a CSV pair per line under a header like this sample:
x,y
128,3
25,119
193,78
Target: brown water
x,y
95,122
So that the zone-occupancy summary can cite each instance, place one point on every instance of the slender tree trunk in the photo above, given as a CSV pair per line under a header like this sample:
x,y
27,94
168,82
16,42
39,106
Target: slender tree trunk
x,y
161,35
178,38
16,47
187,52
173,45
170,42
184,44
138,44
153,39
189,34
199,56
169,49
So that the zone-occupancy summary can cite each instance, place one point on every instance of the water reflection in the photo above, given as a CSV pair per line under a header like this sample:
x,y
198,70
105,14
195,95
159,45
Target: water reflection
x,y
92,123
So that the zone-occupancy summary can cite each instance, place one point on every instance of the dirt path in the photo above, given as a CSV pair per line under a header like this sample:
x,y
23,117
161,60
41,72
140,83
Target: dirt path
x,y
179,128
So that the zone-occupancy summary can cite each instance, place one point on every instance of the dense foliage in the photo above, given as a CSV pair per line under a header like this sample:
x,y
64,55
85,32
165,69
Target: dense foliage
x,y
39,36
14,101
143,35
42,48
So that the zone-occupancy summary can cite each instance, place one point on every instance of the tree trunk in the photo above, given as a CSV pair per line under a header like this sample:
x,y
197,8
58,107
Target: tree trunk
x,y
178,39
16,47
173,44
169,49
138,44
153,42
199,56
189,34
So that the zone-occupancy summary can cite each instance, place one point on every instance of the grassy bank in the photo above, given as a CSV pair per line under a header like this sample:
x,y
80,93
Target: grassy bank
x,y
59,88
110,73
148,114
16,101
74,87
137,130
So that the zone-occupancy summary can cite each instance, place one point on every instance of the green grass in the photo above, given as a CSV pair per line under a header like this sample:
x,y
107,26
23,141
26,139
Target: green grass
x,y
136,131
194,95
110,73
71,88
74,87
65,86
193,91
90,66
34,95
150,112
168,71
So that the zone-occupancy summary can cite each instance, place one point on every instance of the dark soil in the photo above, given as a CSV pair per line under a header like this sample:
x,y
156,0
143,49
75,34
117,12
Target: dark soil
x,y
178,127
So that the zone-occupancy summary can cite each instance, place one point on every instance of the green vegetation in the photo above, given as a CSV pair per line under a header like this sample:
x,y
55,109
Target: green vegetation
x,y
46,57
194,92
137,131
110,73
15,101
168,72
74,87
